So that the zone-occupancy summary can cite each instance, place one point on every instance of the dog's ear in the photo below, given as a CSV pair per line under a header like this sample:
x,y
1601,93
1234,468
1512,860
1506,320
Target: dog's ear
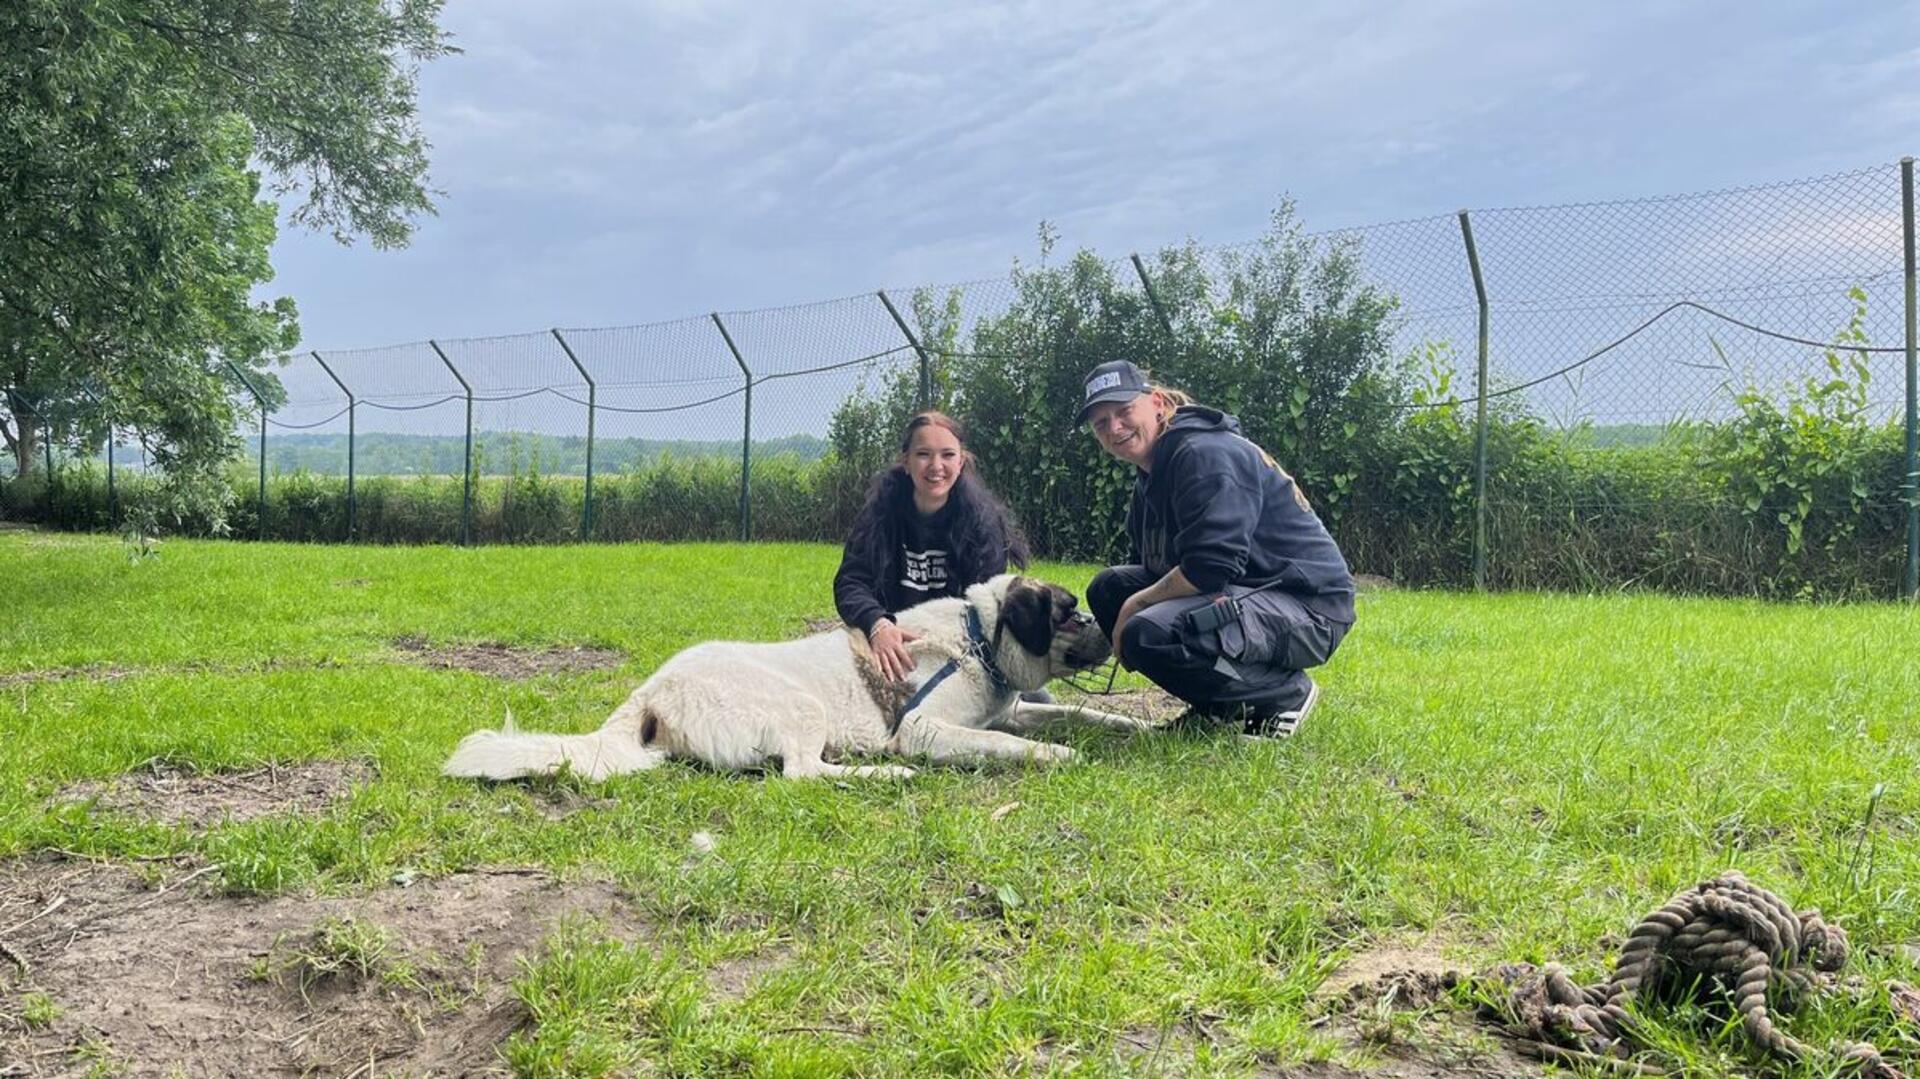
x,y
1064,602
1027,613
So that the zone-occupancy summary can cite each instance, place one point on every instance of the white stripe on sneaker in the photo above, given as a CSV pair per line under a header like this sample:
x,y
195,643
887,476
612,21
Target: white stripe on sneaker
x,y
1284,724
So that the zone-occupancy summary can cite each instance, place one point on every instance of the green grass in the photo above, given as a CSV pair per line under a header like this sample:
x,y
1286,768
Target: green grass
x,y
1512,776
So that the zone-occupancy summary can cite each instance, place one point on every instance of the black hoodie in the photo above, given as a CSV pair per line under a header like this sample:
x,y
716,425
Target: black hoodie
x,y
873,581
1217,506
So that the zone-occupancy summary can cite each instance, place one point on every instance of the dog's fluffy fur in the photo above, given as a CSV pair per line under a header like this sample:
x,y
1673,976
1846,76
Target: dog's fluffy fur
x,y
737,705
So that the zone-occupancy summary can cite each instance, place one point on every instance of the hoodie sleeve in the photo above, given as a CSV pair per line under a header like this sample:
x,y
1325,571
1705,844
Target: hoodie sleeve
x,y
1218,514
856,592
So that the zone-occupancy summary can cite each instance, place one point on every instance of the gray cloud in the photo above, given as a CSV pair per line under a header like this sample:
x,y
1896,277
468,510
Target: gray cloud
x,y
611,163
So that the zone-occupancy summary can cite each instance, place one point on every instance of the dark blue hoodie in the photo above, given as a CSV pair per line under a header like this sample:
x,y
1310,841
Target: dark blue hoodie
x,y
1217,506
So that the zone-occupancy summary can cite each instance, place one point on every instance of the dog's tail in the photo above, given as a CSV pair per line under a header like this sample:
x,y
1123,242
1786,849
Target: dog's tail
x,y
509,753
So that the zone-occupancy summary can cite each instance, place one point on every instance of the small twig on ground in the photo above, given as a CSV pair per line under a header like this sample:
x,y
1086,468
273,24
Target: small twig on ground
x,y
1563,1055
51,907
188,879
848,1031
374,1057
21,1067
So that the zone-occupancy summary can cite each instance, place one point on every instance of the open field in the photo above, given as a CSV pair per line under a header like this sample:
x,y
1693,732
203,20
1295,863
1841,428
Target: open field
x,y
224,844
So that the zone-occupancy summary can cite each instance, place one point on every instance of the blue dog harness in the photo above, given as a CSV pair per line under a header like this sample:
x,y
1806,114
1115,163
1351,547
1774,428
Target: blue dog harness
x,y
978,647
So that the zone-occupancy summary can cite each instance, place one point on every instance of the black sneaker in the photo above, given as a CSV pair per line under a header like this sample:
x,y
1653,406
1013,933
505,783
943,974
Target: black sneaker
x,y
1283,724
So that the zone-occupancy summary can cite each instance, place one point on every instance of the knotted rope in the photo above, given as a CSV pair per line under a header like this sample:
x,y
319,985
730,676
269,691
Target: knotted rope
x,y
1725,935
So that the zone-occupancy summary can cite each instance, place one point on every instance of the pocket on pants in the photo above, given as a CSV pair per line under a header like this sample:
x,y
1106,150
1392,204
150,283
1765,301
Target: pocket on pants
x,y
1244,639
1289,639
1308,641
1259,642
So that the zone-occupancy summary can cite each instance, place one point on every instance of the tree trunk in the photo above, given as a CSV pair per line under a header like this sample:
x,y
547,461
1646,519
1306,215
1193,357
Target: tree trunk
x,y
23,437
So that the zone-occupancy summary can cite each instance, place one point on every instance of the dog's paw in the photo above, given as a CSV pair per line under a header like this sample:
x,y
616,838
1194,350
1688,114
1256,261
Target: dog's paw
x,y
879,771
1048,753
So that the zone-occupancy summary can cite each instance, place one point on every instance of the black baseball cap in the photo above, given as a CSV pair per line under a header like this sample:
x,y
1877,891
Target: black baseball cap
x,y
1115,380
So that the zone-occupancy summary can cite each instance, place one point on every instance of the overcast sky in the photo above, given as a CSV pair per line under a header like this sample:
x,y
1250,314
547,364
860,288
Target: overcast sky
x,y
608,162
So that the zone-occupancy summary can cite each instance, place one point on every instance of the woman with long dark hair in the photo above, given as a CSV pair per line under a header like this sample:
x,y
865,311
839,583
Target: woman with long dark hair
x,y
929,528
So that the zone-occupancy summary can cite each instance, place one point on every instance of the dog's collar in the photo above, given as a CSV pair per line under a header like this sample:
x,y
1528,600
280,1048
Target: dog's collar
x,y
981,649
978,647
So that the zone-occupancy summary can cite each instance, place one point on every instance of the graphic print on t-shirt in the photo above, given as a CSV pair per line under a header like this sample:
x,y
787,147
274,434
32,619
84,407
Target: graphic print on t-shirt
x,y
924,571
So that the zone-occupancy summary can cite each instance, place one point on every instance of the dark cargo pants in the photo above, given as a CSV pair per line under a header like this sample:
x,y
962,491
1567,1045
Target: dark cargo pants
x,y
1257,663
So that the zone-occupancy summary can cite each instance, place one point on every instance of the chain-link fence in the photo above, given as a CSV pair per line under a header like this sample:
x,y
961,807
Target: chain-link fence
x,y
1607,322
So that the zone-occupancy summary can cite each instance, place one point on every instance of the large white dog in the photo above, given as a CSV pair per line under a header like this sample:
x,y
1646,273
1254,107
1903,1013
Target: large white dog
x,y
736,705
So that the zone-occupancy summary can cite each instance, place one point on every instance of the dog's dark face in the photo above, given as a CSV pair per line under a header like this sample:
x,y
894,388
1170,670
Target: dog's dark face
x,y
1045,620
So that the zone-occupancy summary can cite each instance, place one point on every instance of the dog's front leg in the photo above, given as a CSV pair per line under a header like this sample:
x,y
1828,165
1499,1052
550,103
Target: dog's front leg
x,y
1029,715
927,736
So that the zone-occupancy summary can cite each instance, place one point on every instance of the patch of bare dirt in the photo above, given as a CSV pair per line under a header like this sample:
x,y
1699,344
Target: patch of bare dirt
x,y
732,978
153,973
61,674
1414,975
115,672
1153,704
506,660
1389,1010
167,792
487,657
821,625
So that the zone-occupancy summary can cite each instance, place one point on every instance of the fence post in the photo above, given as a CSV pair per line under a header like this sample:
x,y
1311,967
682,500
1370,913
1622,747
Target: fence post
x,y
351,405
926,365
260,526
1153,298
746,435
1911,585
586,509
466,497
1480,417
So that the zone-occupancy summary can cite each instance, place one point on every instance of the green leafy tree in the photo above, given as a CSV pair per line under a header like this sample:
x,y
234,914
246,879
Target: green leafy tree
x,y
1286,334
131,223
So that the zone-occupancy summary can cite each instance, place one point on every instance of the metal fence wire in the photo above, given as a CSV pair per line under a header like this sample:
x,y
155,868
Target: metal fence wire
x,y
1608,316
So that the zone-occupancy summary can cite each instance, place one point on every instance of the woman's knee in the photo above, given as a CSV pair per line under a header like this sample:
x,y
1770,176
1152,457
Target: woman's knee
x,y
1141,644
1106,592
1106,583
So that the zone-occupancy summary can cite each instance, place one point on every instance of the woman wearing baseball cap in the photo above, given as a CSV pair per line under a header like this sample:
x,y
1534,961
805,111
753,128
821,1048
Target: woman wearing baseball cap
x,y
1235,587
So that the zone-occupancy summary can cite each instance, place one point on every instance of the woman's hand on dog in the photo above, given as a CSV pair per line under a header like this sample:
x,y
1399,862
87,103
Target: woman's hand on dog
x,y
889,644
